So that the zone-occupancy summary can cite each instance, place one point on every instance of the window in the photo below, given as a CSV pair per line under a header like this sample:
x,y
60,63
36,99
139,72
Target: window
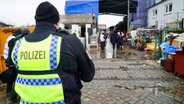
x,y
154,12
168,8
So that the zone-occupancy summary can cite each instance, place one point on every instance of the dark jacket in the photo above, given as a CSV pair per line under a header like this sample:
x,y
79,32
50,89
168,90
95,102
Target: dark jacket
x,y
74,61
120,40
114,38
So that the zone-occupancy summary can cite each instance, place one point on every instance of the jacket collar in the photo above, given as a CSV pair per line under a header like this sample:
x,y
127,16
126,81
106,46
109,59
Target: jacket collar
x,y
45,26
42,31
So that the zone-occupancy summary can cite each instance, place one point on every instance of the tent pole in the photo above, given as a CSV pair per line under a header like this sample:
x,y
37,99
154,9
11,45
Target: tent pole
x,y
128,17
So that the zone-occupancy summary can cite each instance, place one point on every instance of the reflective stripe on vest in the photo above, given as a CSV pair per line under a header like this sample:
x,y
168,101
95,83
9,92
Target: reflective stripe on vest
x,y
31,56
15,53
38,82
53,47
58,102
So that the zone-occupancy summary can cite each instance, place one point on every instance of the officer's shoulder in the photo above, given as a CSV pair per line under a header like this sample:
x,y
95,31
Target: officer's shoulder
x,y
70,37
62,32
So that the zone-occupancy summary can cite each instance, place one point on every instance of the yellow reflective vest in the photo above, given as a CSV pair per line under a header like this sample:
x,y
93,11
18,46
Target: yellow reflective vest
x,y
39,58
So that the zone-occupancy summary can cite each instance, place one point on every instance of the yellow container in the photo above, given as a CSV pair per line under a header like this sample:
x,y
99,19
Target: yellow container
x,y
5,32
31,29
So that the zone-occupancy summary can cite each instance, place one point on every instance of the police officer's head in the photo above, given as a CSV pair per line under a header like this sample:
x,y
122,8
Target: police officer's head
x,y
47,12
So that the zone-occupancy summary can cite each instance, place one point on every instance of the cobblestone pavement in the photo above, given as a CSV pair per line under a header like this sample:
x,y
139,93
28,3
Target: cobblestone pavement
x,y
130,82
131,77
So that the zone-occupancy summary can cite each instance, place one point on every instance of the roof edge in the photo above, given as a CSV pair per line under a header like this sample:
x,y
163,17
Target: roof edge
x,y
157,4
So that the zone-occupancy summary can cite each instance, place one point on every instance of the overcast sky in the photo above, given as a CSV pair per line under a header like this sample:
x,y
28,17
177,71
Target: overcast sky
x,y
21,12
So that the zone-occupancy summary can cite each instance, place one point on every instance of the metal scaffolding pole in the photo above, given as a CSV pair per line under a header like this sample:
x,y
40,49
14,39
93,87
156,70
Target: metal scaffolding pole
x,y
128,17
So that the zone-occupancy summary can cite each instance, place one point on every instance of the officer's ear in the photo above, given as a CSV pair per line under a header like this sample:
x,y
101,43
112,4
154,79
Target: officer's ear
x,y
56,25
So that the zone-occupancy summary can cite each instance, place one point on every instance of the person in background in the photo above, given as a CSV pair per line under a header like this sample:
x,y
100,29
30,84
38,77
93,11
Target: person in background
x,y
6,48
51,65
103,38
12,96
105,35
119,41
129,40
98,39
113,38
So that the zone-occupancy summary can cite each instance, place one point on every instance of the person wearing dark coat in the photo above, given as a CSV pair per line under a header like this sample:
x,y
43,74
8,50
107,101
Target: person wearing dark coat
x,y
113,39
119,41
12,95
74,64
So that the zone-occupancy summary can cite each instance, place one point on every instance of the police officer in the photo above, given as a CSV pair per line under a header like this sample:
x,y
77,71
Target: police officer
x,y
50,65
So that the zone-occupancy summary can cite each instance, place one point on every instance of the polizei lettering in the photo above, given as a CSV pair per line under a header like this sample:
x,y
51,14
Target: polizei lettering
x,y
30,55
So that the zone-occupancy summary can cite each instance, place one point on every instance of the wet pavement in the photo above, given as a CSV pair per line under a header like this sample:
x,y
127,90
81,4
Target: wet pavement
x,y
128,76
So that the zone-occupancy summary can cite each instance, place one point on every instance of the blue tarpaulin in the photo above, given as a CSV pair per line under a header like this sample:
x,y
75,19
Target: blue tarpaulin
x,y
81,7
166,48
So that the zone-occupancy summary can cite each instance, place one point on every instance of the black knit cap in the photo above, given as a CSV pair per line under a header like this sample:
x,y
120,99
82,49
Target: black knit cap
x,y
47,12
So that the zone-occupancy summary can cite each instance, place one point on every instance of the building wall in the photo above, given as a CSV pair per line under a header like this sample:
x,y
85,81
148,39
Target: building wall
x,y
163,19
